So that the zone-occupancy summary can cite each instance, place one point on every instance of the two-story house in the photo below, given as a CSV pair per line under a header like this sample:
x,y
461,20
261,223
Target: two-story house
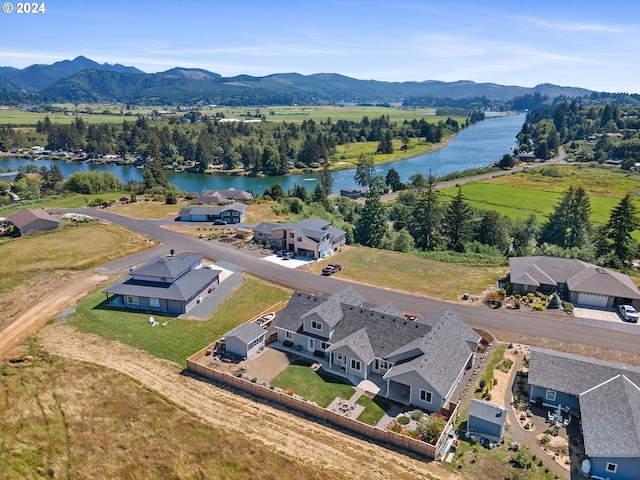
x,y
311,237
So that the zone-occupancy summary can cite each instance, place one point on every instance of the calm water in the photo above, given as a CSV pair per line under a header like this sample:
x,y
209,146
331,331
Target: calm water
x,y
477,146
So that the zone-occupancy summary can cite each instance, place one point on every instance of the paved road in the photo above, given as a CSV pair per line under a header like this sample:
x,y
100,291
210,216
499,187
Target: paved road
x,y
600,335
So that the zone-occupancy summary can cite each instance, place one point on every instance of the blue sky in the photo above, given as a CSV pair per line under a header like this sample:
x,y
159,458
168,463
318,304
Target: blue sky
x,y
590,43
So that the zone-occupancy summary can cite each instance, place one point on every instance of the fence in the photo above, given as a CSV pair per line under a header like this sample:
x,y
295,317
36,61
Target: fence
x,y
300,405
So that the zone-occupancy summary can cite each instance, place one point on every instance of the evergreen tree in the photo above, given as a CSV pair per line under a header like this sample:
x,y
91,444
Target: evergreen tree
x,y
457,222
385,145
326,179
615,242
493,231
365,170
426,215
371,227
393,180
569,225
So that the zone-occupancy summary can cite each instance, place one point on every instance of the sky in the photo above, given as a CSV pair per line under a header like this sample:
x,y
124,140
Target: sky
x,y
592,44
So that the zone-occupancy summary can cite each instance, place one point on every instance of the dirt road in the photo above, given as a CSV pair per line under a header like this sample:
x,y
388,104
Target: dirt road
x,y
286,433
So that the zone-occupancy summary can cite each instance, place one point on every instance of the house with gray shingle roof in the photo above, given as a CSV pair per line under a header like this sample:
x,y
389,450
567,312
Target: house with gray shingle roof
x,y
311,237
605,395
581,282
245,339
223,196
234,213
31,221
171,285
420,362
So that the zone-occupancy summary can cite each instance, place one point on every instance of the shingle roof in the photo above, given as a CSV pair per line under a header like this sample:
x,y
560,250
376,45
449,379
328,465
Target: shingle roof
x,y
388,309
168,267
487,411
247,332
220,196
348,296
212,210
183,289
330,312
609,395
28,215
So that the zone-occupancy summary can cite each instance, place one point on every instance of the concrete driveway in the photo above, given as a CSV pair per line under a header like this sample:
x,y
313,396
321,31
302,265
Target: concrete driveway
x,y
292,263
602,314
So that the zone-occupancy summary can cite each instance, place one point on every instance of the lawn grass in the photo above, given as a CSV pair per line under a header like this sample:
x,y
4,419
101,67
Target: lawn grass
x,y
374,409
24,118
181,337
316,386
70,248
71,200
416,275
144,210
496,357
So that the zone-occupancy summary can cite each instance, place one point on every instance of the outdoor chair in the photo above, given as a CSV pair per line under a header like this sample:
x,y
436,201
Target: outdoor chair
x,y
551,417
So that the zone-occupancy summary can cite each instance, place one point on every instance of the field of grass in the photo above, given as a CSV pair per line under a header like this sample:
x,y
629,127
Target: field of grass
x,y
24,118
181,337
146,210
317,386
68,419
374,409
72,200
415,275
71,248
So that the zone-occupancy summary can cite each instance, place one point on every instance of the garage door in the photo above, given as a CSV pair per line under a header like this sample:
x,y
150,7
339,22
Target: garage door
x,y
592,300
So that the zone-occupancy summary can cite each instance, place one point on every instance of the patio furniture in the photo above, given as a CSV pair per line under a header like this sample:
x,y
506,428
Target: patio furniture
x,y
551,416
567,421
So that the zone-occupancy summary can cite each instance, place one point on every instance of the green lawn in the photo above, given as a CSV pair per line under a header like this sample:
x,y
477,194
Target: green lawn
x,y
317,386
181,337
374,409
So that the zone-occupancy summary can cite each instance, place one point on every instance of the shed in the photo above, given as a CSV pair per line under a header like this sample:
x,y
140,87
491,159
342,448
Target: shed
x,y
245,340
30,221
486,419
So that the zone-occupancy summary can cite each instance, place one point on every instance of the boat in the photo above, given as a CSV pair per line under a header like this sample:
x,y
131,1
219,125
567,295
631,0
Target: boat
x,y
266,319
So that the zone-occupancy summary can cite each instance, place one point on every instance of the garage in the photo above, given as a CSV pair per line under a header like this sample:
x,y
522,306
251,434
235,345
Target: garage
x,y
593,299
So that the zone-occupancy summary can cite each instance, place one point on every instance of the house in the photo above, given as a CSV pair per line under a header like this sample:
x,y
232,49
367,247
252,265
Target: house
x,y
171,284
418,362
245,340
486,420
30,221
8,176
234,213
581,282
526,157
311,237
353,192
605,395
223,196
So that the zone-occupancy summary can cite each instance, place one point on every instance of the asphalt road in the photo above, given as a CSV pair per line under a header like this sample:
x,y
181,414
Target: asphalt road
x,y
615,337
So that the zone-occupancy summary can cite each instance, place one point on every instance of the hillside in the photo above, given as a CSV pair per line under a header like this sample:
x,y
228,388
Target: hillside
x,y
83,80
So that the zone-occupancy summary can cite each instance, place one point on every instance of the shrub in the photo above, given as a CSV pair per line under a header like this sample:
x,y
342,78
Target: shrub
x,y
416,414
537,307
403,420
483,383
516,305
567,307
527,426
554,303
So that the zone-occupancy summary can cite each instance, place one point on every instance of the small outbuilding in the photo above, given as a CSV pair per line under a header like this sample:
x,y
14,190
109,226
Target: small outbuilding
x,y
245,340
31,221
486,420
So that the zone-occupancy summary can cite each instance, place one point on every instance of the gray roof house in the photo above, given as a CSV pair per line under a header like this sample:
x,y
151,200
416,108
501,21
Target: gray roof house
x,y
311,237
245,340
417,362
223,196
170,285
31,221
607,398
486,420
583,283
234,213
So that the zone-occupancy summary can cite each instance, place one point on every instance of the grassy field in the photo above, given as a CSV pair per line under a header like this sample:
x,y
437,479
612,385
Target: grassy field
x,y
24,118
67,419
181,337
317,386
412,274
71,248
72,200
146,210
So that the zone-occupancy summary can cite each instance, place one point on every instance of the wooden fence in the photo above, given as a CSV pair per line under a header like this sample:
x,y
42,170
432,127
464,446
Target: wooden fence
x,y
293,402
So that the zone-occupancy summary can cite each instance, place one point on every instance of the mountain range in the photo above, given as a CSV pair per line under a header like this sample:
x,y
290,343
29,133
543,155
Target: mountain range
x,y
83,80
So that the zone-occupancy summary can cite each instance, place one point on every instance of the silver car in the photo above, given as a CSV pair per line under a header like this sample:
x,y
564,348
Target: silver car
x,y
628,313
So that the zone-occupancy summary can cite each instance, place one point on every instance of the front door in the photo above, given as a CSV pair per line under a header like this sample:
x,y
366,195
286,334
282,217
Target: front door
x,y
311,345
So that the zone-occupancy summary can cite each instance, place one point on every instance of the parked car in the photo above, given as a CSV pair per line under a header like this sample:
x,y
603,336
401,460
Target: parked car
x,y
288,255
331,269
280,252
628,313
219,222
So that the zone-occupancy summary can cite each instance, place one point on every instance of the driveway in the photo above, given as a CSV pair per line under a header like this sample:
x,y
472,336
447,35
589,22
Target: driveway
x,y
606,315
291,263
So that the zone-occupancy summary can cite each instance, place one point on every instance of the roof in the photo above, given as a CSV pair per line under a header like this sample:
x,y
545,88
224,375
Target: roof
x,y
312,228
183,289
579,276
609,395
221,196
24,217
487,411
168,267
212,210
247,332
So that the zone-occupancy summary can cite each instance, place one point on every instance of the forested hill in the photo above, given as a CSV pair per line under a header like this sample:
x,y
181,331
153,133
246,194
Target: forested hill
x,y
83,80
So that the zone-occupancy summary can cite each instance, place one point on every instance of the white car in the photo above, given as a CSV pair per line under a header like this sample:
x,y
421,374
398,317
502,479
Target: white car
x,y
628,313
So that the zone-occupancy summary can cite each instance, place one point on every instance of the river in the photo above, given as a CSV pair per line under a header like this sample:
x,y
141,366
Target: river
x,y
477,146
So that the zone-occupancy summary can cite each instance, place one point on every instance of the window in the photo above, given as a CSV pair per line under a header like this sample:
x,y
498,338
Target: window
x,y
289,334
425,396
291,235
355,364
339,358
154,302
551,395
324,345
612,467
316,325
131,300
299,239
